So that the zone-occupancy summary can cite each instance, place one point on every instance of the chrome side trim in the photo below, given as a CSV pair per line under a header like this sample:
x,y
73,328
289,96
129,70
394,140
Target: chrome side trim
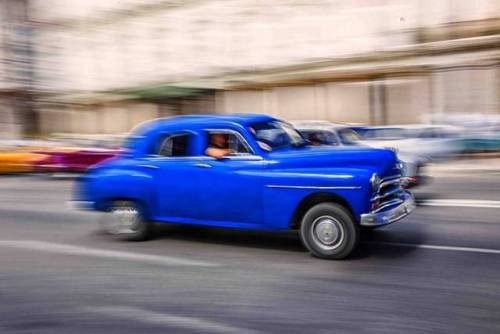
x,y
203,165
80,205
243,157
310,187
248,157
156,157
148,166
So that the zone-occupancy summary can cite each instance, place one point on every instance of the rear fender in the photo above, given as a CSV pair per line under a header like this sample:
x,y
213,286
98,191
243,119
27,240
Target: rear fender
x,y
107,186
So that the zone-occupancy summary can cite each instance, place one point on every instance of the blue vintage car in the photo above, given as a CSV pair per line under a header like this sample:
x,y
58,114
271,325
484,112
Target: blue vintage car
x,y
270,180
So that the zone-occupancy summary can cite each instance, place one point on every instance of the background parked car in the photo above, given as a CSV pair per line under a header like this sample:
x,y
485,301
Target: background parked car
x,y
72,160
326,133
429,142
334,134
483,140
18,161
76,153
17,157
481,132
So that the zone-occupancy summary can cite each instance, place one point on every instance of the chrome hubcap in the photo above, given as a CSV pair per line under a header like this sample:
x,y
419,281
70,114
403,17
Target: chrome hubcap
x,y
327,232
123,220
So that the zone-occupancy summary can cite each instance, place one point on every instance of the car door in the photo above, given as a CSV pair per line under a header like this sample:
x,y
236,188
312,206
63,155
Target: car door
x,y
230,189
173,168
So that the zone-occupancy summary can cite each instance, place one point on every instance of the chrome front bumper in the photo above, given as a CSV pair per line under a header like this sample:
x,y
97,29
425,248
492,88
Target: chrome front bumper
x,y
390,216
80,205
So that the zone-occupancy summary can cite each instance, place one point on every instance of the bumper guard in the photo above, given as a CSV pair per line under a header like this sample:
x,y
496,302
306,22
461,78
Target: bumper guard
x,y
391,215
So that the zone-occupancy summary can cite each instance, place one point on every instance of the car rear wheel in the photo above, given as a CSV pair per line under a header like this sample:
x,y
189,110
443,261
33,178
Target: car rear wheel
x,y
124,220
328,231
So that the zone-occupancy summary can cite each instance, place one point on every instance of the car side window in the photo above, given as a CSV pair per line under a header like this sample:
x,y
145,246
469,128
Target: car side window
x,y
175,145
231,140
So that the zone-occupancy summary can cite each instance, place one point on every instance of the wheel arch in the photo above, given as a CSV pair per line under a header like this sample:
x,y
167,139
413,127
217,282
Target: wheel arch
x,y
313,199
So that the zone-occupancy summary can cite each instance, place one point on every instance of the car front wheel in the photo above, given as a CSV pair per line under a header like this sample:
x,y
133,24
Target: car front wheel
x,y
125,221
329,231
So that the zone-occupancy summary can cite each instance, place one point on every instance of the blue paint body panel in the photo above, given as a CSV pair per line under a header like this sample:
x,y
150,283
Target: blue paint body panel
x,y
259,191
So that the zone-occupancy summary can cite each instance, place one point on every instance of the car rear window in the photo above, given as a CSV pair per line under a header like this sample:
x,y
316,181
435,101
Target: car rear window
x,y
175,145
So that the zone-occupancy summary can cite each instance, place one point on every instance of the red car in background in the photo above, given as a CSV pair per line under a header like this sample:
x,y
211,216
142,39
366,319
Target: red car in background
x,y
73,160
76,153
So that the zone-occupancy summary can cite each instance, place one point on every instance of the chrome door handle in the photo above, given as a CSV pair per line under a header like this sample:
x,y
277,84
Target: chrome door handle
x,y
149,166
203,165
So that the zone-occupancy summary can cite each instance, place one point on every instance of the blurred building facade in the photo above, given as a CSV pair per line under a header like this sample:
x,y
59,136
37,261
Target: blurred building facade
x,y
104,66
17,114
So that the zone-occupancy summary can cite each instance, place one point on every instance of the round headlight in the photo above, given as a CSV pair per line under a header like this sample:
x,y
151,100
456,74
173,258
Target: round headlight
x,y
375,182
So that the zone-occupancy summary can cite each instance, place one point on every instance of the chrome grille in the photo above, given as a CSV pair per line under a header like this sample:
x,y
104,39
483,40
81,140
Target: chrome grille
x,y
389,193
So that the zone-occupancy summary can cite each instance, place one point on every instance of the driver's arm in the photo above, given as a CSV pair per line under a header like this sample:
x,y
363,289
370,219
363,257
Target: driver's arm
x,y
217,153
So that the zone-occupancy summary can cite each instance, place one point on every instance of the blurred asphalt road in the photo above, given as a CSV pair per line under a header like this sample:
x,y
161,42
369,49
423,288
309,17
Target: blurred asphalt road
x,y
59,274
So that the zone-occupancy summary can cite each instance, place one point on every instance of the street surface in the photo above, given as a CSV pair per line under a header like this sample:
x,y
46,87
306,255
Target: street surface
x,y
437,271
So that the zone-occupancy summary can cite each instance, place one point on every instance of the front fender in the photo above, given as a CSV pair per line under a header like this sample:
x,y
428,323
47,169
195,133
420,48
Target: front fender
x,y
284,190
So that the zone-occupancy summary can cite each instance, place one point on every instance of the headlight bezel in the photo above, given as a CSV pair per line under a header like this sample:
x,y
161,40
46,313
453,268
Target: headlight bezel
x,y
375,182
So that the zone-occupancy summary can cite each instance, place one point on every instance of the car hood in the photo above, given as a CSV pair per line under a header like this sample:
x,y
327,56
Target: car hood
x,y
380,161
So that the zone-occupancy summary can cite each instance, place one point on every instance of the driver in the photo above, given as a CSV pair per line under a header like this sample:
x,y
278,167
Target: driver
x,y
217,146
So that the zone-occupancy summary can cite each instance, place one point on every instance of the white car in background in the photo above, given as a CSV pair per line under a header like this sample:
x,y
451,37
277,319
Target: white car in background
x,y
429,142
326,133
334,134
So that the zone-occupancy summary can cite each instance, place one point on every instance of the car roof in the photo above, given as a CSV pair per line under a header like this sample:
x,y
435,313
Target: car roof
x,y
196,121
237,118
317,125
413,127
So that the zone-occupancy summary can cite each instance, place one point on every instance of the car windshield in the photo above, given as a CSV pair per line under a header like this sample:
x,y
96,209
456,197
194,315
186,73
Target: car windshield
x,y
349,137
274,135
